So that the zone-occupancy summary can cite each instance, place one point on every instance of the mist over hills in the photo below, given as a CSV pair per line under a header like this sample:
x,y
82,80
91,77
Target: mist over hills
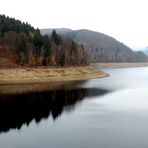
x,y
101,47
145,50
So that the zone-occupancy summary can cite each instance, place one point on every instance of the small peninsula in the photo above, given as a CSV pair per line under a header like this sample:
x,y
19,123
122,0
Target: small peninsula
x,y
46,75
27,56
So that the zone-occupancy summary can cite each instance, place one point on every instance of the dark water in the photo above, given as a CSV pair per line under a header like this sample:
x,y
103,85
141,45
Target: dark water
x,y
105,113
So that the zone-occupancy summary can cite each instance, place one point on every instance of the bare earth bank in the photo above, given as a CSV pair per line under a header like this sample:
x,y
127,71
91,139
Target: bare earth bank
x,y
45,75
118,65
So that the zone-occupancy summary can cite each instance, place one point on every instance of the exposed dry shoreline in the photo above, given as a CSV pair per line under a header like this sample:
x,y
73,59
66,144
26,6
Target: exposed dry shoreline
x,y
45,75
118,65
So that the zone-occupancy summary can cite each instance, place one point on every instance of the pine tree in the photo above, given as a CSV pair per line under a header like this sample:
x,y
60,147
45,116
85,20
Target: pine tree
x,y
47,50
55,38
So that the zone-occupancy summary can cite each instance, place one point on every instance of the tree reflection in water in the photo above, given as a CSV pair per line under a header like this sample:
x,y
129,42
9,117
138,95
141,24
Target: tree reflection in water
x,y
19,109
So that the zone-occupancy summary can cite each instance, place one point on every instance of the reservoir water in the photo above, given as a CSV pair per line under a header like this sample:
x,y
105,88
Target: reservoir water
x,y
104,113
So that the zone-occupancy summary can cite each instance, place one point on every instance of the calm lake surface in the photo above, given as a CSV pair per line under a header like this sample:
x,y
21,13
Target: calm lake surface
x,y
106,113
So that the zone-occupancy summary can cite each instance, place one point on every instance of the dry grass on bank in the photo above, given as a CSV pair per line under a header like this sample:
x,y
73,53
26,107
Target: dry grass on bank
x,y
45,75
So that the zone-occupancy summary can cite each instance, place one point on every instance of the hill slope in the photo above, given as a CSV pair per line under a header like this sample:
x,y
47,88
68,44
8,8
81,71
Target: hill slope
x,y
103,48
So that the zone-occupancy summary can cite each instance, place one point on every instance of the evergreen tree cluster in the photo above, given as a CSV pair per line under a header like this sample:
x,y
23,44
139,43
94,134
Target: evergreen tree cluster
x,y
10,24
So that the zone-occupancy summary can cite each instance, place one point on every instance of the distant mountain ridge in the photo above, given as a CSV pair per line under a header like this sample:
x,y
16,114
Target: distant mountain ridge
x,y
101,47
58,30
145,50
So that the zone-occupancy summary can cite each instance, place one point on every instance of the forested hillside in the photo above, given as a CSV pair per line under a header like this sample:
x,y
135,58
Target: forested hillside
x,y
101,47
22,44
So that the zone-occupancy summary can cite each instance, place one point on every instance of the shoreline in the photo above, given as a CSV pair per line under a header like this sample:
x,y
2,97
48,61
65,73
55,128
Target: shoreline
x,y
24,75
118,65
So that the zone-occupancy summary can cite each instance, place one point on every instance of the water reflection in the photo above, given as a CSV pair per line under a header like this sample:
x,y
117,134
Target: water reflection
x,y
22,108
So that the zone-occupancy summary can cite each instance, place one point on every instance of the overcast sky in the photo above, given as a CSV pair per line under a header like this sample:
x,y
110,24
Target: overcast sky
x,y
125,20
